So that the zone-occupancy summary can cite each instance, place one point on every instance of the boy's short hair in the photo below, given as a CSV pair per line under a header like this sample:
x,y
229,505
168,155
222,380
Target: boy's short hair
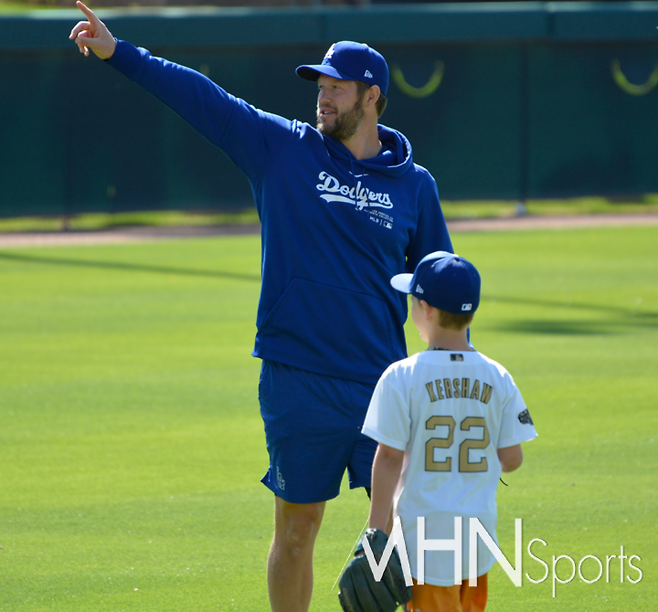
x,y
449,320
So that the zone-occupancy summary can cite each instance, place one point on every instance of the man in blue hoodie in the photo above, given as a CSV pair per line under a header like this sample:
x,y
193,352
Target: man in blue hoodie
x,y
343,208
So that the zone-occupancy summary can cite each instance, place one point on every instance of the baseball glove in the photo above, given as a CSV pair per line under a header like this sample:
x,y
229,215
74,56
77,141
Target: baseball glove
x,y
360,592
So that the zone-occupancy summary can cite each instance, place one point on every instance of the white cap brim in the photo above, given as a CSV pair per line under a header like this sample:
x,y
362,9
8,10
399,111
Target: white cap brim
x,y
402,282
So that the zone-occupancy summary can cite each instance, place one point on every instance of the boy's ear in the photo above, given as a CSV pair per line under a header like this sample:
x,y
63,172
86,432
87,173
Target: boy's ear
x,y
427,309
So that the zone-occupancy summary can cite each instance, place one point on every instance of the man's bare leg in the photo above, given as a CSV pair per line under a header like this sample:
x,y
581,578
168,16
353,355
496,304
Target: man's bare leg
x,y
290,564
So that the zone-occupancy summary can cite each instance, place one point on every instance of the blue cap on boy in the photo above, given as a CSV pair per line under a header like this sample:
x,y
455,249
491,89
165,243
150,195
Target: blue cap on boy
x,y
444,280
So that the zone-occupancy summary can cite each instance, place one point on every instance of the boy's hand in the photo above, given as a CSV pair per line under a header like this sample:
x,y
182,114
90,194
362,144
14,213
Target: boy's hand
x,y
93,34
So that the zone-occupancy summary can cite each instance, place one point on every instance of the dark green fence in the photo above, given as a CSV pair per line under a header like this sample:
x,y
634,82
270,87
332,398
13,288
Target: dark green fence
x,y
500,101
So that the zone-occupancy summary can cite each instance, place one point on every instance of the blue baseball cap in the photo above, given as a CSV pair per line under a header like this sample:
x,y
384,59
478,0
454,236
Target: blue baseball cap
x,y
446,281
350,61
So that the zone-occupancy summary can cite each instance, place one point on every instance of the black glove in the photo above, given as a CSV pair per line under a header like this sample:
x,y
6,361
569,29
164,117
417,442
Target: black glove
x,y
360,592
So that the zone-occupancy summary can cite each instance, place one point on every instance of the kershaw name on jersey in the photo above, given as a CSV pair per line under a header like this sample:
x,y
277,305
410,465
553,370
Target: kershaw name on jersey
x,y
458,387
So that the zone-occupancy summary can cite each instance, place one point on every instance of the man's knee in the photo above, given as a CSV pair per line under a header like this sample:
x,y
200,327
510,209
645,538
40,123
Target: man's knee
x,y
296,525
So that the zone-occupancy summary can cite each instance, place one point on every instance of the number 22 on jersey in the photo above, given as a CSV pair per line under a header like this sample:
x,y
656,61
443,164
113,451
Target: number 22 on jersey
x,y
431,465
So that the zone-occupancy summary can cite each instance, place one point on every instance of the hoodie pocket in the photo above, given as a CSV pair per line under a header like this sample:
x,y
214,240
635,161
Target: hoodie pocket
x,y
330,330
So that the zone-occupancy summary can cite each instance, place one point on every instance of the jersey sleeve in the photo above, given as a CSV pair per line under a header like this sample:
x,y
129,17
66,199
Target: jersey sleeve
x,y
431,230
516,424
388,420
249,136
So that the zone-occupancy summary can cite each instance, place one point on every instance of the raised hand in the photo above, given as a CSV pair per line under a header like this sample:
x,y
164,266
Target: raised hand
x,y
93,34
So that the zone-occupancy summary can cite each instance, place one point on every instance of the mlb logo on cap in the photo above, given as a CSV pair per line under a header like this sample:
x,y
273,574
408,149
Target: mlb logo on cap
x,y
444,280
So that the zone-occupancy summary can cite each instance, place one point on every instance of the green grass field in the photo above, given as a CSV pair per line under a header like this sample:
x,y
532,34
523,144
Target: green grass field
x,y
131,445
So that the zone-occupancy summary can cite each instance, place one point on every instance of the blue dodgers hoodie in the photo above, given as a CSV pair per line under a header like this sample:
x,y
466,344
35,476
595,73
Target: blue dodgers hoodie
x,y
334,229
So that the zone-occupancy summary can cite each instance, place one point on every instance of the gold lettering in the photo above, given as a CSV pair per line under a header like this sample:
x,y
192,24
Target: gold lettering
x,y
455,386
475,394
486,393
447,385
439,390
466,383
430,389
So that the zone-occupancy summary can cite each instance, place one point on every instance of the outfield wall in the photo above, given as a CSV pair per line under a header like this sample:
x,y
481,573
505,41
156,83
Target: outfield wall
x,y
500,101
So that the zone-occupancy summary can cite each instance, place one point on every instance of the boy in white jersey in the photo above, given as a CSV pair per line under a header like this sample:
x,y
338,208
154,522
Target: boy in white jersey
x,y
448,421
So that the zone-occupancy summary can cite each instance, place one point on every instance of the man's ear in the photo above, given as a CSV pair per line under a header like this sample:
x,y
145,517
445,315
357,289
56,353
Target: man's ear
x,y
373,95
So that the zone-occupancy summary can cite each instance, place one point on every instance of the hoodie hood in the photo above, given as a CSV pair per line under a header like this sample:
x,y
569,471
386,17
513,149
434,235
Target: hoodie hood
x,y
393,160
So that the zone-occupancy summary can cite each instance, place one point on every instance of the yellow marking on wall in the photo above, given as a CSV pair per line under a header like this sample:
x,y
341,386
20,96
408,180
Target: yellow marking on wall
x,y
419,92
627,86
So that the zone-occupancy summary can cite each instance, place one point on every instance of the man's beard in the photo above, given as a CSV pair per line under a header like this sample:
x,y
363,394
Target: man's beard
x,y
345,124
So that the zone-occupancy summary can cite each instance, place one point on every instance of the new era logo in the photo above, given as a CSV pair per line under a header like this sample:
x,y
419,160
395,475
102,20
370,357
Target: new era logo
x,y
368,74
419,289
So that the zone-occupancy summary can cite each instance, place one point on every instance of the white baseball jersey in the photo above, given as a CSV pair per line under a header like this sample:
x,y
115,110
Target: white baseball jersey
x,y
449,411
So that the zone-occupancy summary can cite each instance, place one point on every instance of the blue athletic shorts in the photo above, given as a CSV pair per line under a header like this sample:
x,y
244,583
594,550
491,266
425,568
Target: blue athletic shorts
x,y
313,432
